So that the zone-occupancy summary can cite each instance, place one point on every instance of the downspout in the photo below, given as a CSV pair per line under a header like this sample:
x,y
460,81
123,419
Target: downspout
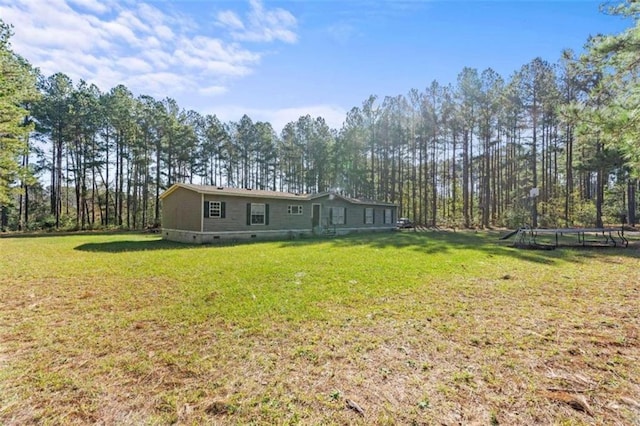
x,y
201,213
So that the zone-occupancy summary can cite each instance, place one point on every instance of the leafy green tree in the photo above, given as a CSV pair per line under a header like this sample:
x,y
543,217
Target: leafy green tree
x,y
371,113
536,84
246,142
488,127
211,153
266,156
17,89
120,112
84,127
53,115
290,175
571,90
149,119
350,154
465,154
395,130
612,108
619,56
431,132
468,93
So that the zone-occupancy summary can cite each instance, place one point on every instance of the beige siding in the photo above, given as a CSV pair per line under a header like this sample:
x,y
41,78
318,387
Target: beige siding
x,y
183,216
181,210
378,216
236,215
354,214
326,212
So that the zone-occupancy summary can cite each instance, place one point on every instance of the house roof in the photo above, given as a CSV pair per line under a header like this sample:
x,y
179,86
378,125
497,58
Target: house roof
x,y
260,193
238,192
350,199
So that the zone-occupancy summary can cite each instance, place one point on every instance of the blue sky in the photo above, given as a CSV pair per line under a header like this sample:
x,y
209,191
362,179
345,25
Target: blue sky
x,y
277,60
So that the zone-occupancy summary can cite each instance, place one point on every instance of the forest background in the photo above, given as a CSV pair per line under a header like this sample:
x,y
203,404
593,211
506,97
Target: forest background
x,y
470,154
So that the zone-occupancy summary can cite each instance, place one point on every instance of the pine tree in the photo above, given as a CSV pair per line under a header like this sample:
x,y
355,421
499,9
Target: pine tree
x,y
18,88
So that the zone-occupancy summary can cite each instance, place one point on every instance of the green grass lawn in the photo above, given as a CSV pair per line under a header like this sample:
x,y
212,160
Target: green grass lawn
x,y
414,328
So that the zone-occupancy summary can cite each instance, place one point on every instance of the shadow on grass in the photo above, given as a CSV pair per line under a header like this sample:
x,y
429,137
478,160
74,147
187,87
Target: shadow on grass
x,y
52,234
435,242
488,242
154,244
126,246
428,242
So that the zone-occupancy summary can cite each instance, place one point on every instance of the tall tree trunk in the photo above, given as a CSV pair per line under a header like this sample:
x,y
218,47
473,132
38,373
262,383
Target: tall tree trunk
x,y
434,181
534,164
23,214
466,182
600,182
632,184
106,183
454,174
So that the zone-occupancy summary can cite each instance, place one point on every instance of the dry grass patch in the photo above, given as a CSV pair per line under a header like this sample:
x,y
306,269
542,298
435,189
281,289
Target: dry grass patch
x,y
433,328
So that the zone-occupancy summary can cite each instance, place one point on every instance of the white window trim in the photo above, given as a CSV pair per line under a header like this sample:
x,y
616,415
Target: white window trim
x,y
299,208
264,214
212,208
369,216
335,216
388,216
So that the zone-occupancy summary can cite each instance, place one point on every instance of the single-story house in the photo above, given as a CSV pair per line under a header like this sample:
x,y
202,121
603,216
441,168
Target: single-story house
x,y
203,214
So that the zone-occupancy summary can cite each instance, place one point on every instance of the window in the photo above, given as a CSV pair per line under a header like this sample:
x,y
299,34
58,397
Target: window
x,y
214,209
368,215
337,215
388,216
295,209
258,214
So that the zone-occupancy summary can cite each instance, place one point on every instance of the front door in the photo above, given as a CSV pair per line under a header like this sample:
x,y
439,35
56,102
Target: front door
x,y
315,216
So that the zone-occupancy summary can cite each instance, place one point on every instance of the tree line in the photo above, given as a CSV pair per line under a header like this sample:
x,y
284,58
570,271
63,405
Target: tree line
x,y
554,144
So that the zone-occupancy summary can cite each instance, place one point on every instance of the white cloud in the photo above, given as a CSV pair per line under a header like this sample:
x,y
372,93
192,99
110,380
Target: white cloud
x,y
135,65
262,25
216,50
156,49
128,19
229,19
160,59
225,68
160,84
152,42
91,5
152,15
164,32
122,31
50,24
107,78
79,69
196,63
212,90
156,52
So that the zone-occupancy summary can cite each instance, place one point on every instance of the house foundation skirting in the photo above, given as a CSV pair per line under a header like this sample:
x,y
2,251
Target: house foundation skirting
x,y
196,237
344,231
